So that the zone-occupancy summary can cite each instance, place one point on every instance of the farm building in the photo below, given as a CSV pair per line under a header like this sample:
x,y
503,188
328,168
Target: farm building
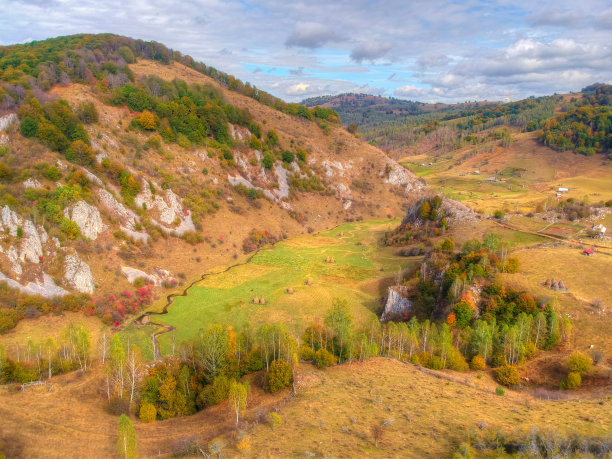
x,y
588,252
600,228
563,190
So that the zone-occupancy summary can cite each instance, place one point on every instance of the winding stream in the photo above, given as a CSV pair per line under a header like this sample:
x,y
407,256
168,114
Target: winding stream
x,y
162,328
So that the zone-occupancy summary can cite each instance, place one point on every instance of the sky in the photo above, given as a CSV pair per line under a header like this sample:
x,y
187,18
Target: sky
x,y
430,51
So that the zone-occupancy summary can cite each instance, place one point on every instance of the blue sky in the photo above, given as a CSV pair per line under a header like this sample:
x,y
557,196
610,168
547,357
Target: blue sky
x,y
447,51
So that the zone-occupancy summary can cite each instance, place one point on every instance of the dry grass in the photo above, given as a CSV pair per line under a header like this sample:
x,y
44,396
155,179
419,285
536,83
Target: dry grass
x,y
332,415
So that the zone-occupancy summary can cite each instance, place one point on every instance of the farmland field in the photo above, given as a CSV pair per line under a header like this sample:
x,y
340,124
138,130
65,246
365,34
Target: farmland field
x,y
359,273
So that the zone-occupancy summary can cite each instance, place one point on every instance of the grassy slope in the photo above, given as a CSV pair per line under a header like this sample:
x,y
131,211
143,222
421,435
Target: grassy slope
x,y
359,275
70,421
546,170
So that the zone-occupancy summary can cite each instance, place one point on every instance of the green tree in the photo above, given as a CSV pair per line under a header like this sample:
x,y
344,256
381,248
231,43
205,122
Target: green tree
x,y
340,321
237,398
126,441
579,363
280,375
28,127
211,348
425,210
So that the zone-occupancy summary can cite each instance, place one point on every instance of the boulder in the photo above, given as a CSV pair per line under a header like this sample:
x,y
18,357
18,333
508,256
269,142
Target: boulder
x,y
78,274
32,183
396,305
400,176
7,120
88,218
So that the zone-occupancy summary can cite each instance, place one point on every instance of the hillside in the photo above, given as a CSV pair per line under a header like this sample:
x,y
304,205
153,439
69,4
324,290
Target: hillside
x,y
153,170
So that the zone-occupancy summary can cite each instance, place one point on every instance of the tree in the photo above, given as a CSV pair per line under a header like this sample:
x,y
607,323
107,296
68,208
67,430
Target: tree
x,y
50,347
79,340
463,312
134,369
579,363
280,375
425,210
211,348
539,328
340,321
117,364
126,441
507,375
323,358
237,398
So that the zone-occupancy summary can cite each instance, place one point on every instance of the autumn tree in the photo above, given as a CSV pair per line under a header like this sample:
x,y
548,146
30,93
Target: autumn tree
x,y
279,375
134,370
237,398
126,440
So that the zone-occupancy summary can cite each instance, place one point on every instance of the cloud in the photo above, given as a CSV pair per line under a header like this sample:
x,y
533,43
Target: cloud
x,y
297,89
410,92
369,51
311,35
257,70
432,61
297,72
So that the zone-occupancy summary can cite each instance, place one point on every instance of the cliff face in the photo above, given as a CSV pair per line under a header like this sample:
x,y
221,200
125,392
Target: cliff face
x,y
397,306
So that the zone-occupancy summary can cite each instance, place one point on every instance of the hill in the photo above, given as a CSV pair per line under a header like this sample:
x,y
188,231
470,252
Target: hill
x,y
125,163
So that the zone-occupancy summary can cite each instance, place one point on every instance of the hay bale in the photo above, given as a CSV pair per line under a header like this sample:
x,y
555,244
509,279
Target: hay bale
x,y
561,285
554,285
547,283
262,301
290,290
256,300
308,281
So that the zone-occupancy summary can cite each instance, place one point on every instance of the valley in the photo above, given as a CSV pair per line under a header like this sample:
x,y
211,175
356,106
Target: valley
x,y
193,267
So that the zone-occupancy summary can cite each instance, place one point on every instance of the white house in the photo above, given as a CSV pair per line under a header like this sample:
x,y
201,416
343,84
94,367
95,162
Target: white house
x,y
563,190
600,228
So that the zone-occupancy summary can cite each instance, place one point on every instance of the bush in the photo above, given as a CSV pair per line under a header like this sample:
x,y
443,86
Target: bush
x,y
118,406
306,353
268,161
323,358
28,127
499,214
87,113
435,363
507,375
288,156
500,391
478,363
571,381
71,229
579,363
280,375
5,172
148,412
275,419
214,393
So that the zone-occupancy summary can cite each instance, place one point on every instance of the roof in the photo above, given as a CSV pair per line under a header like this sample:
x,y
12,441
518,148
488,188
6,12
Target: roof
x,y
589,251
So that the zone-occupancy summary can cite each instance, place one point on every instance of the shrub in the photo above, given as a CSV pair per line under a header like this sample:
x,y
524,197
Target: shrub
x,y
323,358
146,120
507,375
280,375
28,127
499,214
435,363
87,113
500,390
214,393
288,156
478,363
70,228
275,419
268,161
306,353
448,245
571,381
118,406
5,172
579,363
148,412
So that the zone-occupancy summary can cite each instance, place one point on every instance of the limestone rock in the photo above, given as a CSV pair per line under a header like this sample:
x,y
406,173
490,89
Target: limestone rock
x,y
397,305
400,176
156,278
127,218
45,286
88,218
32,183
78,274
283,185
7,120
170,208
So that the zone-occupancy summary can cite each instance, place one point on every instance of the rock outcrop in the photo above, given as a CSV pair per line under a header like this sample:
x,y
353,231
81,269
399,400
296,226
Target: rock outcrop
x,y
156,278
400,176
88,218
170,208
32,239
44,287
7,120
32,183
78,274
397,305
127,218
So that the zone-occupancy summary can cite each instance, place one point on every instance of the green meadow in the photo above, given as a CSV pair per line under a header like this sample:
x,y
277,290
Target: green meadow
x,y
359,273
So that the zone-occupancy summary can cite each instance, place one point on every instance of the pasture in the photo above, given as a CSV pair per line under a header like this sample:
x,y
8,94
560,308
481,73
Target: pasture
x,y
345,262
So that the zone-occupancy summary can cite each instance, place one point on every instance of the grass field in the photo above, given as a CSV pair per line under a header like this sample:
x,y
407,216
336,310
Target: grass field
x,y
531,172
360,274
